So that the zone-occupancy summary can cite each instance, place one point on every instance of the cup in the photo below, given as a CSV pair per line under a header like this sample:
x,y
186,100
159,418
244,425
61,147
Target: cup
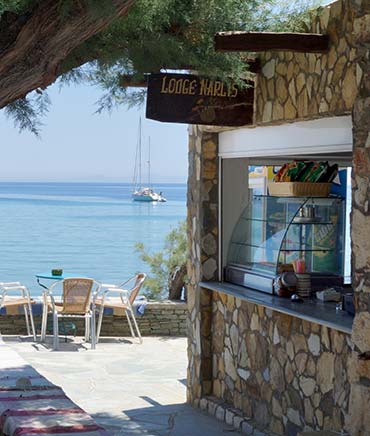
x,y
303,285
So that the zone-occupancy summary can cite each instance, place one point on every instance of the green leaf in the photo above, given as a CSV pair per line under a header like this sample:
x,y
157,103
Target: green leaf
x,y
157,35
163,264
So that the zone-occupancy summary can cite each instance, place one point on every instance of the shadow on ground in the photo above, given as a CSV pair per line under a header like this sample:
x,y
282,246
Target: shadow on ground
x,y
65,344
163,420
69,343
129,388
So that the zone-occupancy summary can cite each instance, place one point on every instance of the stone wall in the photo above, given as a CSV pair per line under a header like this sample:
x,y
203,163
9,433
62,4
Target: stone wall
x,y
296,86
160,319
246,362
359,422
202,223
284,373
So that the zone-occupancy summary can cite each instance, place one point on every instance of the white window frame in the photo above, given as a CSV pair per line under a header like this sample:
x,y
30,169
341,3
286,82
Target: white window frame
x,y
325,138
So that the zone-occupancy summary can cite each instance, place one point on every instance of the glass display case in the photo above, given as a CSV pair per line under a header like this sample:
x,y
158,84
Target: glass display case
x,y
272,232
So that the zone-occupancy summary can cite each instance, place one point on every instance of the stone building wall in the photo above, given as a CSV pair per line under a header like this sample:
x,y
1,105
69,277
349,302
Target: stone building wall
x,y
160,319
285,373
295,86
249,363
359,422
202,223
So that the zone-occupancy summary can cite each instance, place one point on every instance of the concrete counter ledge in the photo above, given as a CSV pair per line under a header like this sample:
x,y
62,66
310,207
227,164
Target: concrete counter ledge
x,y
310,310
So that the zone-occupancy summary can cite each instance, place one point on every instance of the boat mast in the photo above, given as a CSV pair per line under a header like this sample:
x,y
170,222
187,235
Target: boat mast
x,y
140,153
149,166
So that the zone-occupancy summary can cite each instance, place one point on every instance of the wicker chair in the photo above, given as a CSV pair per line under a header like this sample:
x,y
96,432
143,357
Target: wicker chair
x,y
22,299
124,301
77,302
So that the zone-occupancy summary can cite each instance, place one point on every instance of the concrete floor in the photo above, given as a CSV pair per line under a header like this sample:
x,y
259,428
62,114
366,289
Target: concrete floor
x,y
130,389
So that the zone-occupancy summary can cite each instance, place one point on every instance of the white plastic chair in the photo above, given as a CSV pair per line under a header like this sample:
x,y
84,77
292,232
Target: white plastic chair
x,y
124,300
78,299
23,299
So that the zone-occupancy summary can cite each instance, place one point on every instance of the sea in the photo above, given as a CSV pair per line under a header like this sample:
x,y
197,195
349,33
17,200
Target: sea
x,y
86,229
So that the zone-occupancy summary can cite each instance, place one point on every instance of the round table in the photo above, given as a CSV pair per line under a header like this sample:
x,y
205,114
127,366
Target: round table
x,y
50,276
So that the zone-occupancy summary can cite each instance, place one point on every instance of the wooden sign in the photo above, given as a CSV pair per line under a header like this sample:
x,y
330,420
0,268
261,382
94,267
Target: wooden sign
x,y
190,99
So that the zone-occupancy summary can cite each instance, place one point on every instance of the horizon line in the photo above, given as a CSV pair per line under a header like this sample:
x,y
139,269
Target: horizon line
x,y
157,182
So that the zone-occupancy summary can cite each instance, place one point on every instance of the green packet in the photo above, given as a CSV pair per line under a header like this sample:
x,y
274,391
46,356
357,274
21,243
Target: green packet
x,y
305,171
317,172
294,172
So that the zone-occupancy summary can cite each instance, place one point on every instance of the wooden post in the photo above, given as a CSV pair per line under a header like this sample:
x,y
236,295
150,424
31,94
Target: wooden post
x,y
271,41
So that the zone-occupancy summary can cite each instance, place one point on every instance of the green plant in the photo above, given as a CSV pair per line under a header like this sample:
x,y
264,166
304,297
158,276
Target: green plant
x,y
154,35
165,264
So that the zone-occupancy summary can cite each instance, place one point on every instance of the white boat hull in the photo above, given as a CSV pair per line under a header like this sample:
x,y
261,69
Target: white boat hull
x,y
147,195
145,198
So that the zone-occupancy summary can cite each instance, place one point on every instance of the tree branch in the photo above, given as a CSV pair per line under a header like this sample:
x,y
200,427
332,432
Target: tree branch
x,y
33,47
130,81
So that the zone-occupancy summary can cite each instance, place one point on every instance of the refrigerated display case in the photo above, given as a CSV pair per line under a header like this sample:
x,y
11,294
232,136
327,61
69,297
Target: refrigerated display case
x,y
272,232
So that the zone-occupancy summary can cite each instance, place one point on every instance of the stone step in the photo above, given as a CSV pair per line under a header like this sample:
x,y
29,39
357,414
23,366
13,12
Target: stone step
x,y
321,433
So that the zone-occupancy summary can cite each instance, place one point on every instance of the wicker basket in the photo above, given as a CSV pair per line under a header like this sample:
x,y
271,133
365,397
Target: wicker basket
x,y
299,189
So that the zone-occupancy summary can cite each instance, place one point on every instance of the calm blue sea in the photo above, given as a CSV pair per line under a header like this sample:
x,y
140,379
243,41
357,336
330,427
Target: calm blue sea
x,y
87,229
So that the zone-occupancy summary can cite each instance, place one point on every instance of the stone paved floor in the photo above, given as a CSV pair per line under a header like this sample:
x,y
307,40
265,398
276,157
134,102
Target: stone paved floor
x,y
130,389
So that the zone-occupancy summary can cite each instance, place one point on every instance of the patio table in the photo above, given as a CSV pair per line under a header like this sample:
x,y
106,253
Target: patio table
x,y
50,276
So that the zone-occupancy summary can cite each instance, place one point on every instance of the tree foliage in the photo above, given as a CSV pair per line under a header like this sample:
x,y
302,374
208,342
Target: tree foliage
x,y
179,34
65,6
159,35
163,264
28,112
17,6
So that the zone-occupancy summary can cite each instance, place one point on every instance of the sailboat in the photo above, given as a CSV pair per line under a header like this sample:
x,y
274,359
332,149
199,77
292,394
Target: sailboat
x,y
140,193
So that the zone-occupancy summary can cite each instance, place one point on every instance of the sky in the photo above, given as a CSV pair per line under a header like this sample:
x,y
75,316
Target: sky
x,y
78,145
